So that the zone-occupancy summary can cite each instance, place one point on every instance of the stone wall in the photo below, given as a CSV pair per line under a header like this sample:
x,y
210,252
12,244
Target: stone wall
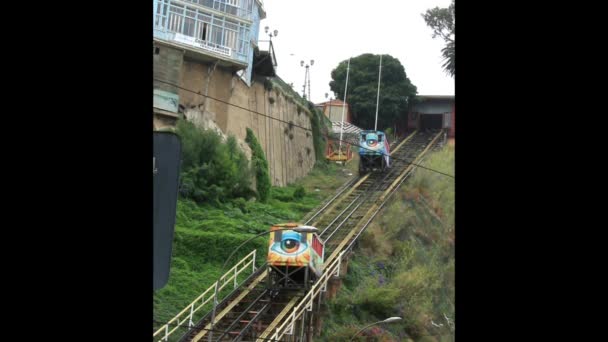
x,y
289,150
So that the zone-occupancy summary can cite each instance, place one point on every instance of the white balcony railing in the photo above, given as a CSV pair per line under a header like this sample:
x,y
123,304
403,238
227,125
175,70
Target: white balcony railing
x,y
224,50
197,28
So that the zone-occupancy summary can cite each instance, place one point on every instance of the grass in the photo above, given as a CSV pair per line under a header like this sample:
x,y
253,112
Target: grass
x,y
205,235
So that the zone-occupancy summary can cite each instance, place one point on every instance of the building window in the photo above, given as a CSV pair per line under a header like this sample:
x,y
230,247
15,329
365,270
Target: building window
x,y
216,34
176,18
232,7
230,39
189,27
202,31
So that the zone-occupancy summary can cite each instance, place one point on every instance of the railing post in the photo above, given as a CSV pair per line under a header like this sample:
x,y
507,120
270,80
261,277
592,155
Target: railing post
x,y
190,324
293,322
253,263
210,336
235,276
339,264
310,301
166,338
320,295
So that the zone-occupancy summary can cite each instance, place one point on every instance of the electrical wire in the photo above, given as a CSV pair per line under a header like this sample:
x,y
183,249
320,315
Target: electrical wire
x,y
292,124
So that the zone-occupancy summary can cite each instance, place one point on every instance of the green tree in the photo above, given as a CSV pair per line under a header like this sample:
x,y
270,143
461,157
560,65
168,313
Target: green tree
x,y
443,23
396,89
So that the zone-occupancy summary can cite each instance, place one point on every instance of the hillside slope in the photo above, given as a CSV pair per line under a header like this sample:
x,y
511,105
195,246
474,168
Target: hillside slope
x,y
403,265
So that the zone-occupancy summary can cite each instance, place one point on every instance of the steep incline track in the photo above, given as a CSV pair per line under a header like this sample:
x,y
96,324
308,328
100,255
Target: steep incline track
x,y
251,311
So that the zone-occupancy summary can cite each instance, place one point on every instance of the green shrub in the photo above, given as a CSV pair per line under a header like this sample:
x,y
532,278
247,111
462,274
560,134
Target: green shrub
x,y
260,166
282,194
268,84
299,192
212,171
318,135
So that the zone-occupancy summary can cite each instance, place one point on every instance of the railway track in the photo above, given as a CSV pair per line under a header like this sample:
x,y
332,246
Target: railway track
x,y
289,322
366,195
252,311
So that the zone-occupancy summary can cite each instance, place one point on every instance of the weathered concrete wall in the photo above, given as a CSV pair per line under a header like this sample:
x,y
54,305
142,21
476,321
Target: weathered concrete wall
x,y
290,152
167,65
334,113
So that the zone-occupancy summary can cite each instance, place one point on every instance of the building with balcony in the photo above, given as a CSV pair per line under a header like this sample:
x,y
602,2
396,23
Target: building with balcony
x,y
210,69
221,33
224,30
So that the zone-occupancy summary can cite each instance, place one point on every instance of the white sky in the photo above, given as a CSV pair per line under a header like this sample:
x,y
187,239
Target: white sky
x,y
330,31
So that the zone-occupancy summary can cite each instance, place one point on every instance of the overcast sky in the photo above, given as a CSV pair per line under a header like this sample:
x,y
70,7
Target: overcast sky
x,y
330,31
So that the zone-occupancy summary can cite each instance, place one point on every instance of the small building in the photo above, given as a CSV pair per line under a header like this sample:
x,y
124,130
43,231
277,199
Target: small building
x,y
433,112
333,110
339,150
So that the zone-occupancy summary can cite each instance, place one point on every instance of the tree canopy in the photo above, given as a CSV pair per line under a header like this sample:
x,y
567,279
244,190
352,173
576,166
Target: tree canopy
x,y
443,23
396,90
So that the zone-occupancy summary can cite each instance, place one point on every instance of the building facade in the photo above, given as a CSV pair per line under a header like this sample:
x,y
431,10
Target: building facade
x,y
433,112
333,110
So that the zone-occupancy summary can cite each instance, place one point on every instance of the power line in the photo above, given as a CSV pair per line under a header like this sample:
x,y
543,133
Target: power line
x,y
424,167
292,124
234,105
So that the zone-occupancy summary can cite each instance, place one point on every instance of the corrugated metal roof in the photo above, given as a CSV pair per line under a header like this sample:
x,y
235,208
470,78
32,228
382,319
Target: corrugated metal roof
x,y
348,128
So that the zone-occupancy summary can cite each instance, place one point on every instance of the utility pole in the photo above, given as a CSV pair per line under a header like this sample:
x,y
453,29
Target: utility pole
x,y
378,97
343,108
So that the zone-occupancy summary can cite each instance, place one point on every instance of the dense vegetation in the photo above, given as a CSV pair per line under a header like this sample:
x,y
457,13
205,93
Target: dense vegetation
x,y
260,166
213,171
404,265
320,130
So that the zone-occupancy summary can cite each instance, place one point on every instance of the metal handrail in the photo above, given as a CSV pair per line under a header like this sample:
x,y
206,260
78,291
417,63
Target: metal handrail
x,y
231,274
333,269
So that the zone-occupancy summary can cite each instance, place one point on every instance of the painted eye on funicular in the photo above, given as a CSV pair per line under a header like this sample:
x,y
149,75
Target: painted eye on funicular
x,y
290,244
